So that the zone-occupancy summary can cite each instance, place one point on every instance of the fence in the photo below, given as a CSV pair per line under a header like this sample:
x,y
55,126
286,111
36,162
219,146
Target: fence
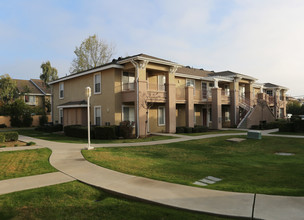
x,y
6,120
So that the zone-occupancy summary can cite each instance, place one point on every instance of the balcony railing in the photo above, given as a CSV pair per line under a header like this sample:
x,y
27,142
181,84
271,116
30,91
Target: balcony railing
x,y
128,86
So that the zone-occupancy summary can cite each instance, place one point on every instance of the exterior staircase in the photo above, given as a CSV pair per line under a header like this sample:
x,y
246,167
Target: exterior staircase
x,y
243,103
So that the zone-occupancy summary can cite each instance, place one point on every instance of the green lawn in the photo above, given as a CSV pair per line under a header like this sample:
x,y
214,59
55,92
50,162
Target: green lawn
x,y
249,166
25,163
62,138
76,200
214,132
288,133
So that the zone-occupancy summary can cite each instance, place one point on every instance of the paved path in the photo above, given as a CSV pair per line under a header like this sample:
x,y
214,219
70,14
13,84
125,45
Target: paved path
x,y
31,182
68,159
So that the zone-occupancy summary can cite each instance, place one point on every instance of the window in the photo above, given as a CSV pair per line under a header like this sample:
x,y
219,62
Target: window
x,y
242,91
269,92
30,99
97,115
128,80
61,116
210,114
227,114
194,116
128,113
191,82
61,90
204,90
282,95
97,83
161,116
281,112
161,82
227,90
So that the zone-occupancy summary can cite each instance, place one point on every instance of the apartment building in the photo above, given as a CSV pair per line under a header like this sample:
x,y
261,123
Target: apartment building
x,y
34,92
159,95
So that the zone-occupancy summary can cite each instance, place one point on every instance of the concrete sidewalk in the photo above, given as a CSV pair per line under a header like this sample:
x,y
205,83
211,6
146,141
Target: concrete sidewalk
x,y
68,159
31,182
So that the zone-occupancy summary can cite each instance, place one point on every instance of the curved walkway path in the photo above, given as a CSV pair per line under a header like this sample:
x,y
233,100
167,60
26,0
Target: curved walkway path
x,y
68,159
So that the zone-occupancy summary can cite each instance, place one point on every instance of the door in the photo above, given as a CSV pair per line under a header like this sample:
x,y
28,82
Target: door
x,y
204,117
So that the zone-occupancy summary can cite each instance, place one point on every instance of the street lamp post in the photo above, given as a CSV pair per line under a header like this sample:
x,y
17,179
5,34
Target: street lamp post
x,y
88,94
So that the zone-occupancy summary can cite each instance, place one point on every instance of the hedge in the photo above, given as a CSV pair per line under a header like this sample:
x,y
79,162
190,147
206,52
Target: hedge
x,y
10,136
3,126
2,138
50,128
78,131
106,132
199,129
180,130
295,126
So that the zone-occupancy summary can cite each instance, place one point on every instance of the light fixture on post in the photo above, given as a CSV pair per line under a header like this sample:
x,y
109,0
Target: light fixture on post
x,y
88,94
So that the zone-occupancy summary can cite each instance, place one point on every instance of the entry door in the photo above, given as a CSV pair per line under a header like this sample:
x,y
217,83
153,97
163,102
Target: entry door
x,y
204,90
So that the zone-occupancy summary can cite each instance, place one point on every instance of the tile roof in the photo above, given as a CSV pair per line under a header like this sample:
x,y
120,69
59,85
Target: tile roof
x,y
22,84
193,71
230,73
82,102
42,86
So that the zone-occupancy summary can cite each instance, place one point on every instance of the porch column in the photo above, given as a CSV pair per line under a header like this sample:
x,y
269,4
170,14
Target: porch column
x,y
170,101
142,96
249,93
189,107
234,100
216,108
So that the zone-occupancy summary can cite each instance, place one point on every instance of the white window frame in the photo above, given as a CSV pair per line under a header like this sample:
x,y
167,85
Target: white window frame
x,y
269,92
203,89
159,113
160,86
97,74
122,112
96,107
61,116
61,97
129,87
29,102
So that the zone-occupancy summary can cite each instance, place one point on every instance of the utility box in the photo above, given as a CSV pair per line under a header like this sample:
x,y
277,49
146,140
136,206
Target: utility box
x,y
254,135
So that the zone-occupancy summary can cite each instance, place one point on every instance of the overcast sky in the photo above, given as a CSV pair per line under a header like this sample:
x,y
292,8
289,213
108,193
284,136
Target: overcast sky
x,y
260,38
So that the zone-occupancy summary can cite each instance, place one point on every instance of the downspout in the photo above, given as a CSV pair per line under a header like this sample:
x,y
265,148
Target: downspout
x,y
137,99
234,102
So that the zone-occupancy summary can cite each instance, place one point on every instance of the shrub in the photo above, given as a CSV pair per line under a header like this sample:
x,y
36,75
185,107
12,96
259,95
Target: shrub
x,y
30,143
299,126
126,129
199,129
180,130
78,131
2,138
20,114
43,119
10,136
188,130
105,132
3,126
287,127
27,119
255,127
50,128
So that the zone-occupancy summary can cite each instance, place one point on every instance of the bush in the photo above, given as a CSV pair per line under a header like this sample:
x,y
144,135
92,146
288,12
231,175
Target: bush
x,y
180,130
78,131
105,132
2,138
10,136
287,127
43,119
27,119
255,127
299,126
126,129
3,126
20,114
199,129
50,128
30,143
188,130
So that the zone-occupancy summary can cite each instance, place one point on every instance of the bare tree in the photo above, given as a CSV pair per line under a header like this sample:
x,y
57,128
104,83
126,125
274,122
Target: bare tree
x,y
91,53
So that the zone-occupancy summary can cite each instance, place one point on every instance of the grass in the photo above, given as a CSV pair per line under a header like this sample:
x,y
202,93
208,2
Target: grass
x,y
24,163
288,133
75,200
214,132
249,166
62,138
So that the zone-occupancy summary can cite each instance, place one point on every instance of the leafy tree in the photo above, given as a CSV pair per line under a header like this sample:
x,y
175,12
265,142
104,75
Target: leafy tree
x,y
91,53
8,89
293,107
20,114
49,73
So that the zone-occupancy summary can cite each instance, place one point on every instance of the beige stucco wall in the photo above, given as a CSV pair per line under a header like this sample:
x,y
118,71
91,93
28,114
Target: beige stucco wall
x,y
260,113
74,90
180,115
153,119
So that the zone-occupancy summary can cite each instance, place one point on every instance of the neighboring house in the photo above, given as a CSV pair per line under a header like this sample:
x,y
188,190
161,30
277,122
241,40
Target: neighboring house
x,y
176,96
34,91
